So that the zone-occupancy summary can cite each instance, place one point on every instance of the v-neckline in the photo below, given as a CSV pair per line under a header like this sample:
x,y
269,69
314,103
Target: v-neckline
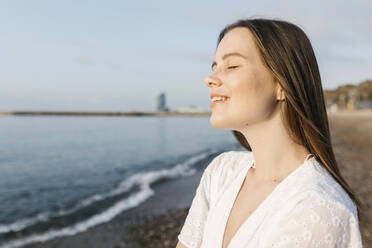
x,y
236,188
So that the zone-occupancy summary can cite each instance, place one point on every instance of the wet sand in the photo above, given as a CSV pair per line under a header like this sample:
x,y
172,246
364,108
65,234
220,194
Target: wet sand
x,y
158,221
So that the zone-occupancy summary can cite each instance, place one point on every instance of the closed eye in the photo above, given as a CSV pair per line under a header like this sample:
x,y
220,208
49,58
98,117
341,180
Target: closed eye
x,y
232,67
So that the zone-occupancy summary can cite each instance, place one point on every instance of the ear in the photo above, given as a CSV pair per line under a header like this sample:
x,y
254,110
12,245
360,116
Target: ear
x,y
279,93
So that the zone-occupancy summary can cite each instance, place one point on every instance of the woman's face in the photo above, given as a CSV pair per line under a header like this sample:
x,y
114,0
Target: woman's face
x,y
248,84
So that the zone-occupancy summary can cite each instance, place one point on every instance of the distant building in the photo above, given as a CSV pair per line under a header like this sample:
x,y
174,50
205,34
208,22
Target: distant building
x,y
161,102
349,96
191,109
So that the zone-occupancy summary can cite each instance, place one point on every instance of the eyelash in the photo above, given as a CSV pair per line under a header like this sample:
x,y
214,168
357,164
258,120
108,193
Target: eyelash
x,y
230,67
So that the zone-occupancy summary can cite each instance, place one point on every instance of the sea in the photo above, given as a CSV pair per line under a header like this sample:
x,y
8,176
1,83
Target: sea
x,y
61,175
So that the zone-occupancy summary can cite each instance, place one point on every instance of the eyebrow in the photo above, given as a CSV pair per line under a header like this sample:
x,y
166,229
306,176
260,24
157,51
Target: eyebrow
x,y
228,55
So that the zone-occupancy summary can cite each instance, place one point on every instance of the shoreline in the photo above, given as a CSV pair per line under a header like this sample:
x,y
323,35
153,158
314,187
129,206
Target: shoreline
x,y
171,197
103,113
343,112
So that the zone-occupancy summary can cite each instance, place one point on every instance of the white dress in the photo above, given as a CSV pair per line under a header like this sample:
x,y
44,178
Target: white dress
x,y
307,209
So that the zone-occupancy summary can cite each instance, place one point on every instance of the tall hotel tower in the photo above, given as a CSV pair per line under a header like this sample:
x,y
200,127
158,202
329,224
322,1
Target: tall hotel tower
x,y
160,102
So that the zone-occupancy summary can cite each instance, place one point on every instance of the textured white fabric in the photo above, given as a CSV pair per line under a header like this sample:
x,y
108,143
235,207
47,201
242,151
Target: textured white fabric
x,y
307,209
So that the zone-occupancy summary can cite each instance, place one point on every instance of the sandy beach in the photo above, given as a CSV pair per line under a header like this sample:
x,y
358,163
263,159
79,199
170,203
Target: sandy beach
x,y
352,141
157,221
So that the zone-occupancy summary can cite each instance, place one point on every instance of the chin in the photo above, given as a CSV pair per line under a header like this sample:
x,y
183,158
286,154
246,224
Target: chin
x,y
219,123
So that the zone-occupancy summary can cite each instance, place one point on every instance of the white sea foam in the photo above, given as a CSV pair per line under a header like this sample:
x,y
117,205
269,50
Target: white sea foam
x,y
144,179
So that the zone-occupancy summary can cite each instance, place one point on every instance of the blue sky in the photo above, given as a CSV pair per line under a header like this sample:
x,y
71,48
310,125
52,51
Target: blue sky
x,y
118,55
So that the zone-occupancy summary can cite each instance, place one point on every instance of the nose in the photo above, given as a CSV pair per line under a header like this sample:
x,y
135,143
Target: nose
x,y
212,80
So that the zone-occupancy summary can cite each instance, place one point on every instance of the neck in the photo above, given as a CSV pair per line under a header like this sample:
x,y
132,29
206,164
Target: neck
x,y
275,154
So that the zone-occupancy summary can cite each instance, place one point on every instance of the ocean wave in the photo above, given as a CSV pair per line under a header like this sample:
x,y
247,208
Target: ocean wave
x,y
143,179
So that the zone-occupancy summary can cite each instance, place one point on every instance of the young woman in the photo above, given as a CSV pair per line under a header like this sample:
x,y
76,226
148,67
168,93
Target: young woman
x,y
285,190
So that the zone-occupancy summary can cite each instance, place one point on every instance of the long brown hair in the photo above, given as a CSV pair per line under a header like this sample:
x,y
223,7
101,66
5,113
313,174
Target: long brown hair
x,y
288,54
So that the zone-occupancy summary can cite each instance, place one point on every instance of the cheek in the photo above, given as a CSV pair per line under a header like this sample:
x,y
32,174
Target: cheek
x,y
253,97
247,90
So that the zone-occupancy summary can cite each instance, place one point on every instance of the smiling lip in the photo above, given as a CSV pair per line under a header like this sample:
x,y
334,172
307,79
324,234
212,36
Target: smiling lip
x,y
219,101
213,95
